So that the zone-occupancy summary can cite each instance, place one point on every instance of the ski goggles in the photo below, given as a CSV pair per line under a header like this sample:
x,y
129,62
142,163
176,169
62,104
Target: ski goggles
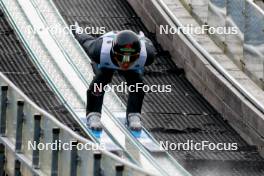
x,y
126,58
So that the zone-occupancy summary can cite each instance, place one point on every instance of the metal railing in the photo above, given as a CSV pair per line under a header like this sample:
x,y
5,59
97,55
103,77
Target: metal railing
x,y
212,61
246,47
22,123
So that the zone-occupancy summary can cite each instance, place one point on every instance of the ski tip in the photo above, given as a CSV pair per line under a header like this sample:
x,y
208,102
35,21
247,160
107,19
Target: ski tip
x,y
136,134
97,133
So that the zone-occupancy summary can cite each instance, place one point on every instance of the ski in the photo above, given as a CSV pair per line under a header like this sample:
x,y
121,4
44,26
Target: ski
x,y
141,136
102,137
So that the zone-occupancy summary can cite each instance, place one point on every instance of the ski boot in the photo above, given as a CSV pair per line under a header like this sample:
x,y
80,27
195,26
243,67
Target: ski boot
x,y
134,121
94,121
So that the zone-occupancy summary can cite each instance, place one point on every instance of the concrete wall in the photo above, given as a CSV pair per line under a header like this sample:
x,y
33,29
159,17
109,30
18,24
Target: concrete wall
x,y
240,113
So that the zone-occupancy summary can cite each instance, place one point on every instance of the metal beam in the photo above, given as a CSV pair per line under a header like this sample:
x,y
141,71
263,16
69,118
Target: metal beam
x,y
36,138
55,153
3,110
19,125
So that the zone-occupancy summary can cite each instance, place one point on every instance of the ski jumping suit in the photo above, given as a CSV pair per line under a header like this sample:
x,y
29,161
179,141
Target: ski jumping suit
x,y
99,50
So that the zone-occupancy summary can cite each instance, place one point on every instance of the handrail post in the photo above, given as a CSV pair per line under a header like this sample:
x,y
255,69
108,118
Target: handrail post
x,y
119,170
74,158
2,159
19,125
17,168
55,153
3,110
97,164
36,139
